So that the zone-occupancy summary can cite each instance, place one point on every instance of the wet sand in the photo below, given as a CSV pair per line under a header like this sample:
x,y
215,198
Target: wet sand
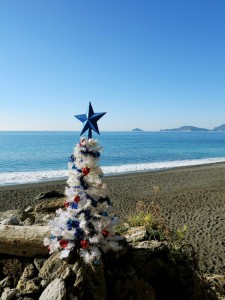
x,y
191,195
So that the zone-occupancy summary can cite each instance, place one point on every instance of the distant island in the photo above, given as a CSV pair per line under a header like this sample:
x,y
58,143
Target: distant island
x,y
193,128
137,129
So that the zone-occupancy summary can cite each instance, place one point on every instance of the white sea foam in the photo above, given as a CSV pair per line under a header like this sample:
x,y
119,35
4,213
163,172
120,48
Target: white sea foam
x,y
31,177
40,176
159,165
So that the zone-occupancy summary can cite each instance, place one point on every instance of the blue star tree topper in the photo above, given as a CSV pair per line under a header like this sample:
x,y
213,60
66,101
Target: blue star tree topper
x,y
90,121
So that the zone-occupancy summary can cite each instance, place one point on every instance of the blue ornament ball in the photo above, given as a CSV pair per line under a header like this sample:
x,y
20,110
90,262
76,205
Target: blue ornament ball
x,y
97,262
97,154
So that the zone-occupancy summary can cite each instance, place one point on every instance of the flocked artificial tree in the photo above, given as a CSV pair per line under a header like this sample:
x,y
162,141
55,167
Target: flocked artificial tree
x,y
86,224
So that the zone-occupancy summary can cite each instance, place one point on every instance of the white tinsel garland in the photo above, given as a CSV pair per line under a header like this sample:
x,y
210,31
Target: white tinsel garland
x,y
86,224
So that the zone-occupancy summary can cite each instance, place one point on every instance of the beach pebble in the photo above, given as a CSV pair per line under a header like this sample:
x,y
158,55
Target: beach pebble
x,y
52,268
56,290
29,209
5,282
12,217
28,272
38,262
136,234
8,294
50,205
28,286
10,221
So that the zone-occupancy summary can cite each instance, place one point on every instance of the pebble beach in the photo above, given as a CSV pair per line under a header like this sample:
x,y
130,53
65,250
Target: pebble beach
x,y
194,196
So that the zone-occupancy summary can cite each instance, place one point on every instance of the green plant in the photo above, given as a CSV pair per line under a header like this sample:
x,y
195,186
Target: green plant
x,y
157,229
121,228
149,216
180,250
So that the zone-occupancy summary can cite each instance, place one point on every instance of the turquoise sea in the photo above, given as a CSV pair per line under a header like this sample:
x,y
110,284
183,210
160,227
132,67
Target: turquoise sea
x,y
37,156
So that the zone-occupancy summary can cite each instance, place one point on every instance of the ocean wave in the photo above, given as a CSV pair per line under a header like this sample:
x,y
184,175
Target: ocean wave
x,y
12,178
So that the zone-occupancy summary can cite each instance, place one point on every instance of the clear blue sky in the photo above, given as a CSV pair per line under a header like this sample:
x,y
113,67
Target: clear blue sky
x,y
148,64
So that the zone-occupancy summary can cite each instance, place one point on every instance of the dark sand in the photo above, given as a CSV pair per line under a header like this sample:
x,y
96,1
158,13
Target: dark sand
x,y
192,195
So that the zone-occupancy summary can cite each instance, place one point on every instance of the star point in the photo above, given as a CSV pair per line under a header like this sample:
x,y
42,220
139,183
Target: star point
x,y
90,121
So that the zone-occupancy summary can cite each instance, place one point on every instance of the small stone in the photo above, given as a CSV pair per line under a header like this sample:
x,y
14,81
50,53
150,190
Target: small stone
x,y
90,282
29,209
66,273
56,290
13,217
5,282
28,222
8,294
153,245
52,268
29,272
42,219
10,221
50,205
136,234
28,286
38,262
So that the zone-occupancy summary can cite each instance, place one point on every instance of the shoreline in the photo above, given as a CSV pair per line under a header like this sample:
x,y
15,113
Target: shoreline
x,y
43,176
125,174
193,195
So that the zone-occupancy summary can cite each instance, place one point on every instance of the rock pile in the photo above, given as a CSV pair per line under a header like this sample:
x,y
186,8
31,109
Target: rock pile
x,y
142,270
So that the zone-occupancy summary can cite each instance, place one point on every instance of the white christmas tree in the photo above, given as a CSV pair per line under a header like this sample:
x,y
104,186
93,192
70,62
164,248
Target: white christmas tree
x,y
86,224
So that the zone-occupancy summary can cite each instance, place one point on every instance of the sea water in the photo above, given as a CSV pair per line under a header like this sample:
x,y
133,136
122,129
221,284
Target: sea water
x,y
38,156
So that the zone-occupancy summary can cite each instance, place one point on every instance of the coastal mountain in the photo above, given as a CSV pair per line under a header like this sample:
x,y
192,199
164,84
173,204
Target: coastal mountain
x,y
220,128
137,129
186,128
193,128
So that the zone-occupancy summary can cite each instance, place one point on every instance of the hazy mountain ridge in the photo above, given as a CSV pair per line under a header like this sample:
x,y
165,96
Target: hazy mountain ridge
x,y
193,128
137,129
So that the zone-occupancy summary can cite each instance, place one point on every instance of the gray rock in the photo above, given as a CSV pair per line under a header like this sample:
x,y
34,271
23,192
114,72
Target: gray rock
x,y
52,268
28,222
153,245
28,286
6,282
90,282
14,217
28,272
18,213
218,283
8,294
56,290
50,205
136,234
38,262
10,221
42,219
29,209
66,273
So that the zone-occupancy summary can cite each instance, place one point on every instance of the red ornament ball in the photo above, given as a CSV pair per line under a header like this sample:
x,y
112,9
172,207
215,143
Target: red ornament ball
x,y
66,204
63,243
85,171
105,233
84,244
76,199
